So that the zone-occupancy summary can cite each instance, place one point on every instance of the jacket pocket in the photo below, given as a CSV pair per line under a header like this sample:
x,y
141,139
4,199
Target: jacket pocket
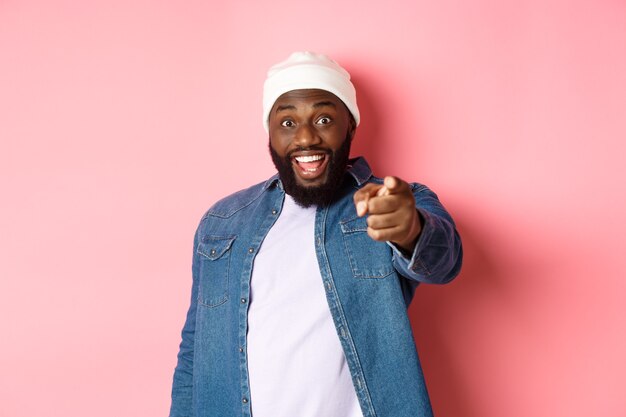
x,y
214,252
368,258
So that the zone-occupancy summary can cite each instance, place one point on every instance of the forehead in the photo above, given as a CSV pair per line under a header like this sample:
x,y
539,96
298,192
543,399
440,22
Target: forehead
x,y
307,97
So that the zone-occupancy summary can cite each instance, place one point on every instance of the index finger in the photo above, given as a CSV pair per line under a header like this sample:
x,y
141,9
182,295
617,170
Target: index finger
x,y
362,196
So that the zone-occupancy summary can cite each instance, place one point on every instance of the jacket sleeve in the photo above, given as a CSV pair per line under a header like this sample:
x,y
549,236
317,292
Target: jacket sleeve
x,y
438,253
182,386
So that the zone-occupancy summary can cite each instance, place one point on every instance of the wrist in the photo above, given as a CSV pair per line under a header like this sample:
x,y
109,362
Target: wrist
x,y
407,245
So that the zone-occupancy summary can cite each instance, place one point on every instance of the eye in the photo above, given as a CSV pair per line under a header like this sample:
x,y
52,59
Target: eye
x,y
324,120
287,123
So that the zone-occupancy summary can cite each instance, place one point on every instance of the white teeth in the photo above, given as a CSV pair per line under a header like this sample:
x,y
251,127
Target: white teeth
x,y
310,158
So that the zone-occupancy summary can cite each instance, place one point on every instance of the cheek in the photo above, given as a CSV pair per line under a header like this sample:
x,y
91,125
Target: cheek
x,y
336,139
279,144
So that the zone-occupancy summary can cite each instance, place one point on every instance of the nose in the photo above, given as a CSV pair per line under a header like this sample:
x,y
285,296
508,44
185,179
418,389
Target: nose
x,y
306,136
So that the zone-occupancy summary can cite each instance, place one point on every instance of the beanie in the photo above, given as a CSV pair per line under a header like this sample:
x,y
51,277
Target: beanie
x,y
307,70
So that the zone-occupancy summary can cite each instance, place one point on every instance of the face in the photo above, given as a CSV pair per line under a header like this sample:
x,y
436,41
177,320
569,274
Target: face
x,y
310,136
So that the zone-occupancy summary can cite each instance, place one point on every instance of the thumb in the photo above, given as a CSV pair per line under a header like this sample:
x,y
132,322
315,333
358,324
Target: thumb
x,y
390,186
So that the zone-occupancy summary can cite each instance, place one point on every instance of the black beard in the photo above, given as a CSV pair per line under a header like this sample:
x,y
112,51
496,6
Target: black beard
x,y
319,195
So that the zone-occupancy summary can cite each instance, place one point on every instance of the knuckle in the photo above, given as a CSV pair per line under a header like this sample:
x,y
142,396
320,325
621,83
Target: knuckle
x,y
359,196
373,233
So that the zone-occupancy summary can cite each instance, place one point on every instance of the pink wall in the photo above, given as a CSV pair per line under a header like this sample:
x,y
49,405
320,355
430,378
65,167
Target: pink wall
x,y
122,121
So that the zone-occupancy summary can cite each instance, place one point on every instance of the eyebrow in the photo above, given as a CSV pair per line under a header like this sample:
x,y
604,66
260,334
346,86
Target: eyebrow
x,y
285,107
324,104
315,106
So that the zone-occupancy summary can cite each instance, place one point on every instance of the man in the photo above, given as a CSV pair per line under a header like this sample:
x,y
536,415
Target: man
x,y
301,283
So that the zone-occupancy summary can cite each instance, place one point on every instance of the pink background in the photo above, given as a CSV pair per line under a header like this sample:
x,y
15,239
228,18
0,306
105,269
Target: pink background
x,y
121,122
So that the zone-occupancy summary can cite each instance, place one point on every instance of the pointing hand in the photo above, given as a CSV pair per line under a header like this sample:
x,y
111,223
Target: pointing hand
x,y
391,212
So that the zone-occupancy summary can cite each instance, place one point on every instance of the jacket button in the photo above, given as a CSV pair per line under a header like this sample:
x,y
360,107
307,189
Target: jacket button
x,y
240,350
213,251
243,301
274,211
250,250
244,400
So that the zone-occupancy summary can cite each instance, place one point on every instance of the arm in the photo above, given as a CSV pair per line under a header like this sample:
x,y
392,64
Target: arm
x,y
427,247
183,374
438,254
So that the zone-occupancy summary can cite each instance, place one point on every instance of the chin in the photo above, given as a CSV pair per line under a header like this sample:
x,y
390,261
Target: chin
x,y
318,182
318,191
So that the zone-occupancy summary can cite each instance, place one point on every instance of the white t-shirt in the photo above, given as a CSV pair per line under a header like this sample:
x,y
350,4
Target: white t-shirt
x,y
296,364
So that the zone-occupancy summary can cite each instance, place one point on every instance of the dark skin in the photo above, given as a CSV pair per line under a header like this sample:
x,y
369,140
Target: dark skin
x,y
308,124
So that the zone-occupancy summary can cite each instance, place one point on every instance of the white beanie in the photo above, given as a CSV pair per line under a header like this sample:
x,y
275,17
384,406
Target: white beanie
x,y
307,70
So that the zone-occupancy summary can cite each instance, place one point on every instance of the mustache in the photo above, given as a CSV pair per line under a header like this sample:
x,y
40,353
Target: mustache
x,y
309,148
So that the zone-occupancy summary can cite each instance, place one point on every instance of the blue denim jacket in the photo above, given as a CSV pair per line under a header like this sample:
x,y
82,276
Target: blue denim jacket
x,y
368,284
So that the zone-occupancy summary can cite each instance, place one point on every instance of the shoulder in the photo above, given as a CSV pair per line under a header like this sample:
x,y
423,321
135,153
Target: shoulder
x,y
416,187
230,205
362,174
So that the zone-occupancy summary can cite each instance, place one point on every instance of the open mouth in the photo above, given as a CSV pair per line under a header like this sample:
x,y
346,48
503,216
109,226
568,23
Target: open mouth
x,y
310,166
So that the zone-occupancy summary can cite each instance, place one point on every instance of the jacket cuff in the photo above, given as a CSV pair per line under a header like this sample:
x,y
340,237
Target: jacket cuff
x,y
412,266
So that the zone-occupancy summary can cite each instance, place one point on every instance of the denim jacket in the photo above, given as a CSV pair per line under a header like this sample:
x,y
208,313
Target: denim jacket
x,y
368,285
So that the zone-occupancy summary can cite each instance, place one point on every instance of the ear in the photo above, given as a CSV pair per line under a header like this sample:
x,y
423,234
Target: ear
x,y
352,129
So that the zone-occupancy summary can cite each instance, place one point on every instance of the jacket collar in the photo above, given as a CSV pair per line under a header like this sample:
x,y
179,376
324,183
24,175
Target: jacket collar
x,y
360,170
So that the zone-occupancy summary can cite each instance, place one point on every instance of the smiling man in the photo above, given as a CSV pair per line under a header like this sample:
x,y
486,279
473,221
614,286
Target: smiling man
x,y
301,283
310,135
